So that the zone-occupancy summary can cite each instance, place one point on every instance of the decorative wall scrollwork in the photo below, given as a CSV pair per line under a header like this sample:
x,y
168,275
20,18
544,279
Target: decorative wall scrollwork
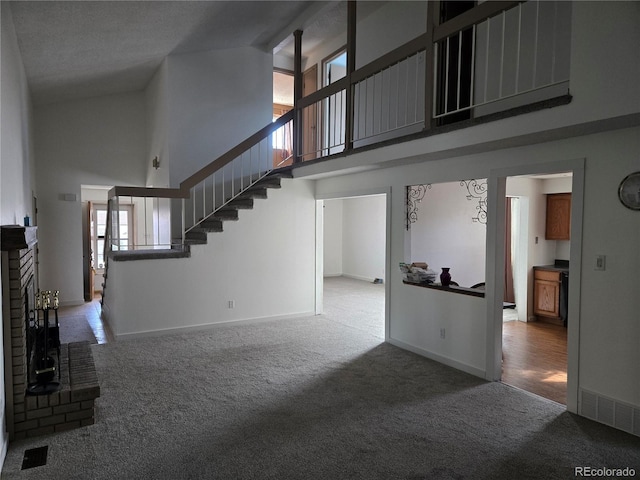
x,y
477,190
415,194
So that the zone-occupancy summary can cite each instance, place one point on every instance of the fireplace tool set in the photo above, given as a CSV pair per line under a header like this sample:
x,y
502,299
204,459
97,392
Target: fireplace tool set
x,y
42,338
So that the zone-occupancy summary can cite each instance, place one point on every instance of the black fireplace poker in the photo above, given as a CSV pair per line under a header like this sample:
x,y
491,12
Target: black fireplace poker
x,y
44,365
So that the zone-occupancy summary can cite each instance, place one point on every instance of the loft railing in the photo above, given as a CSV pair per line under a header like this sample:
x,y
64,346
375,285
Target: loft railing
x,y
506,60
486,59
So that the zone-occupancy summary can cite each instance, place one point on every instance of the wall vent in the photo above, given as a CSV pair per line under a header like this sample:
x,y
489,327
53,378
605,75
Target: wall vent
x,y
610,412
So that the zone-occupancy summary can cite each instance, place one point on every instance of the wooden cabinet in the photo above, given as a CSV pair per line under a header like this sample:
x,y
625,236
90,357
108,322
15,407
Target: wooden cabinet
x,y
558,216
546,295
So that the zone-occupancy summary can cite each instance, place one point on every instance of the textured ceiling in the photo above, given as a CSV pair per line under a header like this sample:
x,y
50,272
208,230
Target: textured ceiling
x,y
77,49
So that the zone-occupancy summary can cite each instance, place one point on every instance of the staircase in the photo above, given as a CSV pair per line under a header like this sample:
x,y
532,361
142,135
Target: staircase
x,y
229,212
198,234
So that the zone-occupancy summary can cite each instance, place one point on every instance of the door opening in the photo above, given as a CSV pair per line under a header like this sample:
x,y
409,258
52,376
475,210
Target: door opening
x,y
282,138
352,262
534,347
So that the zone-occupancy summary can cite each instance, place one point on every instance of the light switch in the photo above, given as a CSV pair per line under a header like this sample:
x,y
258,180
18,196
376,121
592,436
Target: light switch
x,y
601,262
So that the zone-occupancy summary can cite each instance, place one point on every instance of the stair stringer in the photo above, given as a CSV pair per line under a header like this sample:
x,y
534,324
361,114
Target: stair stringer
x,y
264,263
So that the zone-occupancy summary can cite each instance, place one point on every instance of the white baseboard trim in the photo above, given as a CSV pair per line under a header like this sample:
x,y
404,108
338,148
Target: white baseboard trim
x,y
450,362
359,277
331,275
209,326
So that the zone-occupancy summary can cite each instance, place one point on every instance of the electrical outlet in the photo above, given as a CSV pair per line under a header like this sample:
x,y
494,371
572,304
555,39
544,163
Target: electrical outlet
x,y
232,304
443,333
601,262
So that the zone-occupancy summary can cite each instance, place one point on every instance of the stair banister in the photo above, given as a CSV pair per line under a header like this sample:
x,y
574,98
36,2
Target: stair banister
x,y
230,155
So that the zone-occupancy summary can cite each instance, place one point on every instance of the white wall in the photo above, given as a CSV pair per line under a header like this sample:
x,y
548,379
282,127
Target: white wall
x,y
355,237
609,332
364,237
98,141
445,235
16,158
388,27
216,99
332,237
265,262
17,167
156,101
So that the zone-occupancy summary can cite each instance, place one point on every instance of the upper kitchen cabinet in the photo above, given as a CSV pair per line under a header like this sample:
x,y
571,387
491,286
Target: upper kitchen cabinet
x,y
558,216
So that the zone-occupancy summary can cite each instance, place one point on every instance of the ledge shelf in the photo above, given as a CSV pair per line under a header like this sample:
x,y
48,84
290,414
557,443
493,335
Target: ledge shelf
x,y
473,292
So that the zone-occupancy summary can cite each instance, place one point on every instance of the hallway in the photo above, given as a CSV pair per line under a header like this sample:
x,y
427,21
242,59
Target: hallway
x,y
535,358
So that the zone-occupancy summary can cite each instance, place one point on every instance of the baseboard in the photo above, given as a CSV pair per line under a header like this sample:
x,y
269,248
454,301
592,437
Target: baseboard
x,y
209,326
616,414
450,362
358,277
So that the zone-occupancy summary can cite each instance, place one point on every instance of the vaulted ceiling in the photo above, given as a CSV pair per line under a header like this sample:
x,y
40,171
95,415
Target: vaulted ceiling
x,y
77,49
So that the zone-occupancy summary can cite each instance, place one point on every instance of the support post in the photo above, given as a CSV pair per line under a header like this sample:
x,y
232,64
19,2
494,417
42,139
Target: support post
x,y
433,18
351,66
297,95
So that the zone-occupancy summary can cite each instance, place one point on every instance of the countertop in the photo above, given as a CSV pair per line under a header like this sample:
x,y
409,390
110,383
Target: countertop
x,y
552,268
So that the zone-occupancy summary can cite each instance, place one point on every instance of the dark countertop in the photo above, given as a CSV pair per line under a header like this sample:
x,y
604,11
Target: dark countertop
x,y
552,268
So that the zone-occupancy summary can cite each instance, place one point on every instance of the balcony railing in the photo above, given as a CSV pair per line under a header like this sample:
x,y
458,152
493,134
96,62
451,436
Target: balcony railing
x,y
496,56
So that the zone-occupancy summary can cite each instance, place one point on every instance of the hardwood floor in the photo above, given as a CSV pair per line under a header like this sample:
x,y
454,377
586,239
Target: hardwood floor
x,y
535,358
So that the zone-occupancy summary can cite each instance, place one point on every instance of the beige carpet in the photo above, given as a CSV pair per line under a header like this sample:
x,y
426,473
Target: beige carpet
x,y
311,398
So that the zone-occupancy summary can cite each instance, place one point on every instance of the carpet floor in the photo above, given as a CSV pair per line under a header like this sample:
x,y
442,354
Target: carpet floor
x,y
318,397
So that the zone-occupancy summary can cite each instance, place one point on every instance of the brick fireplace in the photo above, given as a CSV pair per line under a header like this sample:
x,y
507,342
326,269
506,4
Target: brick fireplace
x,y
72,405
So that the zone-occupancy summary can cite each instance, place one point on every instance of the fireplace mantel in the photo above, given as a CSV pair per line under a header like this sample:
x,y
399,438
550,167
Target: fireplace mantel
x,y
17,237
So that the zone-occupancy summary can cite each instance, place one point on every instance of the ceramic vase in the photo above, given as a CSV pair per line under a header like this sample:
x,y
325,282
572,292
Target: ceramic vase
x,y
445,277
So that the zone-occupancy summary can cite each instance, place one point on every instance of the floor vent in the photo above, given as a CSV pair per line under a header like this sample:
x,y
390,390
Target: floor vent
x,y
610,412
35,457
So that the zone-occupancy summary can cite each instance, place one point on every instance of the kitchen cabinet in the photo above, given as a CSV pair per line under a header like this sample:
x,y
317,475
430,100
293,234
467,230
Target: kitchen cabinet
x,y
558,225
547,293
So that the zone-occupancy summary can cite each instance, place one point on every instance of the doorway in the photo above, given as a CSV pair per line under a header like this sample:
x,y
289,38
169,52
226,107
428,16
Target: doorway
x,y
334,68
499,189
309,149
282,139
534,347
94,200
352,262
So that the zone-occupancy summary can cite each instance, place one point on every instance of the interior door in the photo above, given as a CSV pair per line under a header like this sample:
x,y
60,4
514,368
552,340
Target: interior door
x,y
310,116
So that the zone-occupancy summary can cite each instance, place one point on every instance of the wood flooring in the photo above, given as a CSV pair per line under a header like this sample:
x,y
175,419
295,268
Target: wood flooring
x,y
535,358
92,311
